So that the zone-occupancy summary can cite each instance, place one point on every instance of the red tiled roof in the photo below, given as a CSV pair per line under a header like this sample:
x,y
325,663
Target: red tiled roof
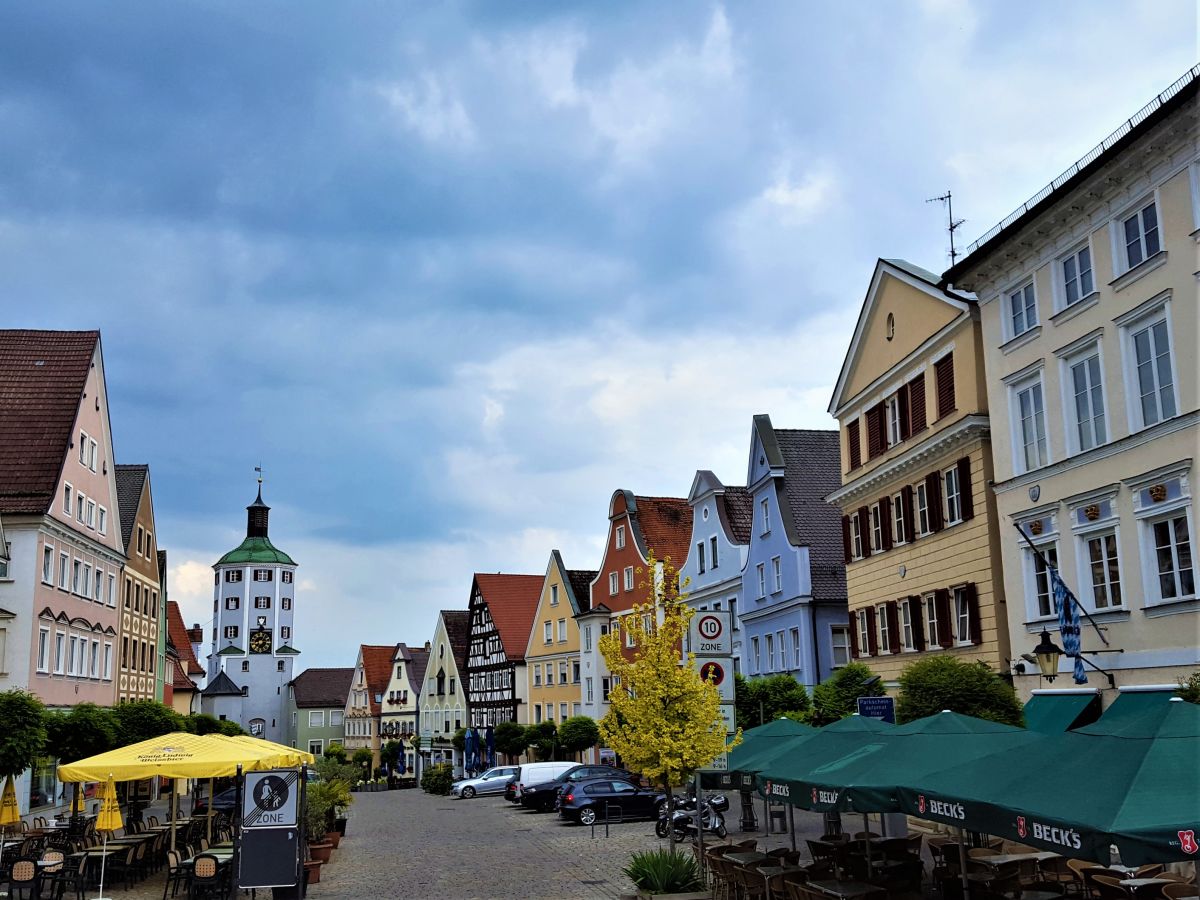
x,y
377,669
179,679
177,634
458,632
322,687
666,524
512,600
42,375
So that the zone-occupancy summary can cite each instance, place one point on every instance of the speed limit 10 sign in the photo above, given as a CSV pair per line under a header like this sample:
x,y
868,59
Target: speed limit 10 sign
x,y
710,633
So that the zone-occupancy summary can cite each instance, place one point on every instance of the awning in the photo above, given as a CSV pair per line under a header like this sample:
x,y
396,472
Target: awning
x,y
1053,712
757,743
1133,702
177,755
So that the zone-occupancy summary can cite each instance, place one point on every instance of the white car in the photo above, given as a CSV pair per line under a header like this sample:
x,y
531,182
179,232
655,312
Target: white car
x,y
490,782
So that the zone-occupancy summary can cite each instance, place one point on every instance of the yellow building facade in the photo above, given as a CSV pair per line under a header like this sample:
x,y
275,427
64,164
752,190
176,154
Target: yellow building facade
x,y
919,524
1088,302
552,664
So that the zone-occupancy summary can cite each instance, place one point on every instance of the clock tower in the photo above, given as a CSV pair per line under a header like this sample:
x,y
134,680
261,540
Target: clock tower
x,y
253,648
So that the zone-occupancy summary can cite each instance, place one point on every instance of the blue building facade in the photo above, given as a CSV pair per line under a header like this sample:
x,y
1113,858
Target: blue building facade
x,y
792,610
717,553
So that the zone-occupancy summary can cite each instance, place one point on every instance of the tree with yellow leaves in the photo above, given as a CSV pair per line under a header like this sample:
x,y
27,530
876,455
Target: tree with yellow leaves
x,y
664,720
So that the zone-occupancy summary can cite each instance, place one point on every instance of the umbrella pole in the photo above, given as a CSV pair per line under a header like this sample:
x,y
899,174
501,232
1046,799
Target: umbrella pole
x,y
962,862
867,840
209,812
103,860
792,823
174,808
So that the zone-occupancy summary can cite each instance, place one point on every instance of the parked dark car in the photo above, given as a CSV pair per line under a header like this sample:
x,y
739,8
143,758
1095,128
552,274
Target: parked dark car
x,y
224,802
587,802
545,796
510,790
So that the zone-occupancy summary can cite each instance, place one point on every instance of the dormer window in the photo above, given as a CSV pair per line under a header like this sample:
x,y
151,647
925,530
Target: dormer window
x,y
766,516
620,540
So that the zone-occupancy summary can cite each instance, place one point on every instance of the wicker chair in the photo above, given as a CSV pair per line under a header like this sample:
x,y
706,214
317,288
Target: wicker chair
x,y
1080,867
177,874
1178,890
23,880
722,879
1108,887
751,885
1152,870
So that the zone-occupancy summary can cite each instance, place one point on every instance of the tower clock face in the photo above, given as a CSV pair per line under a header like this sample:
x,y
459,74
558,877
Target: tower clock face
x,y
260,642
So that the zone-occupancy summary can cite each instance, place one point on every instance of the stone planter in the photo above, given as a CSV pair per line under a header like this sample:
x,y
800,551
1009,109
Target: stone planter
x,y
334,837
312,871
321,852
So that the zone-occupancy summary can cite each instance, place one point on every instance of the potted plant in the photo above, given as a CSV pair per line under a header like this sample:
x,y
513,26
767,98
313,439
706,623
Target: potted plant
x,y
312,871
316,817
663,873
340,800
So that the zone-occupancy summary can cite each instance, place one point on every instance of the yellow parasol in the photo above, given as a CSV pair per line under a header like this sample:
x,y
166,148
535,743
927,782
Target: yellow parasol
x,y
77,801
10,813
110,810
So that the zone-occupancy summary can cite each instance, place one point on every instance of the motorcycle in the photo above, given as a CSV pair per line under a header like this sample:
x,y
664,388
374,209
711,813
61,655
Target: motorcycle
x,y
683,820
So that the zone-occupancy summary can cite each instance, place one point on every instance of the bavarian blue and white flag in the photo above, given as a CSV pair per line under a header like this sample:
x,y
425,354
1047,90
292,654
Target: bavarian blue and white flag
x,y
1067,608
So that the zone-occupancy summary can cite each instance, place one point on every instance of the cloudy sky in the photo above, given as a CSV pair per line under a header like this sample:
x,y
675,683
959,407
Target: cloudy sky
x,y
454,272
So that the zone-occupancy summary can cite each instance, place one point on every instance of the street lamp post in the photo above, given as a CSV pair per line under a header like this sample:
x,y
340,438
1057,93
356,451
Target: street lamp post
x,y
1047,653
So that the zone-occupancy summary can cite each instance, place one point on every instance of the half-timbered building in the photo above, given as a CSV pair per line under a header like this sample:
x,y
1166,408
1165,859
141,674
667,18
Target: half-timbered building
x,y
502,610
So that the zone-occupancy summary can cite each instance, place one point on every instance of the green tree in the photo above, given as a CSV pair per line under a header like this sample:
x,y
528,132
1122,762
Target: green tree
x,y
459,740
362,758
543,738
511,739
390,752
202,723
760,700
24,733
230,728
1189,688
970,688
837,696
82,731
141,720
336,751
577,734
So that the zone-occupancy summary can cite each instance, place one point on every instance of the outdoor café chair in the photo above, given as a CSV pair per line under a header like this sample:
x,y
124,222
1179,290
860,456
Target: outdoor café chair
x,y
177,874
979,852
1079,867
23,880
1090,876
1172,876
751,885
1178,891
1045,887
122,865
864,835
1150,870
207,878
1108,887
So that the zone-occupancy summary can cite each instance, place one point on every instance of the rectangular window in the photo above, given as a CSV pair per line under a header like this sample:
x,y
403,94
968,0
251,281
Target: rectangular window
x,y
562,712
86,587
1031,425
336,717
47,565
575,671
587,637
562,631
245,665
537,713
762,581
1043,594
620,537
1155,379
95,660
80,502
864,632
316,718
894,435
931,618
230,602
1076,269
72,659
262,602
92,454
881,619
108,653
230,631
876,528
700,557
111,592
899,533
612,584
1088,394
1105,570
1139,234
76,575
103,524
537,676
605,688
68,493
60,641
962,616
64,571
1173,557
839,636
83,442
43,657
854,444
547,632
907,640
953,499
91,514
286,577
285,632
777,574
922,503
943,372
1022,309
629,578
795,647
629,642
766,516
286,602
755,654
562,672
712,543
770,652
733,616
141,533
588,690
264,575
98,585
233,576
554,595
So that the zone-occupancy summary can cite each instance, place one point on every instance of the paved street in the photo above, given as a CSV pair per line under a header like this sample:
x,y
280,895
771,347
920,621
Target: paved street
x,y
483,848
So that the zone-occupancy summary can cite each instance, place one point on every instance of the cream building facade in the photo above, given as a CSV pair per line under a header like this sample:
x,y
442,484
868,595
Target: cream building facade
x,y
444,695
919,526
1088,299
552,663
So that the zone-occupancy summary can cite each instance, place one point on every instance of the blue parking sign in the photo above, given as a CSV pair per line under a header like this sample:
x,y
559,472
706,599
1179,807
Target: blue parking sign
x,y
878,708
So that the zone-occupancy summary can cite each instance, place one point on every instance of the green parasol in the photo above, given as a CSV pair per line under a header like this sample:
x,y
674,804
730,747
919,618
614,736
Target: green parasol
x,y
780,777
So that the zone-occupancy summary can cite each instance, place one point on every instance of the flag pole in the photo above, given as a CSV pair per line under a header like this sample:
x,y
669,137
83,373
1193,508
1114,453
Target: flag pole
x,y
1046,564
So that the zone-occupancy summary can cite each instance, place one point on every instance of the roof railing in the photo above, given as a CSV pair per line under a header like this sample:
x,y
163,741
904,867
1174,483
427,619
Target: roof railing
x,y
1124,129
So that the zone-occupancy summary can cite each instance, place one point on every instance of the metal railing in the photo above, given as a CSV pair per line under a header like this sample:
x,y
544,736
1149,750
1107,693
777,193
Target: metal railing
x,y
608,807
1089,157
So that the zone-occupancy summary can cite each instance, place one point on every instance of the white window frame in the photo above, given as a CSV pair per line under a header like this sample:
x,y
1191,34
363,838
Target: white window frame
x,y
892,422
613,584
755,651
770,642
1041,441
951,499
777,573
111,590
1120,248
1147,519
316,718
48,564
91,515
795,633
562,631
108,660
906,625
43,652
620,538
83,441
92,454
1098,435
68,498
1061,300
876,514
961,610
765,506
80,503
881,628
337,718
60,647
839,641
856,538
1046,543
899,535
929,611
64,570
629,578
864,632
537,676
98,586
554,595
762,581
102,525
1146,317
1028,318
1086,581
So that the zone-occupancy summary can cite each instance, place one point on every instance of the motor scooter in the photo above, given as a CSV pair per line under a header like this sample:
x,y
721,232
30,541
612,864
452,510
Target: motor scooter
x,y
683,819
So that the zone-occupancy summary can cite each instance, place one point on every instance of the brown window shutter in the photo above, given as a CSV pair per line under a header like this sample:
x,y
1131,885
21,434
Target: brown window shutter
x,y
875,441
885,515
944,373
846,548
973,612
916,403
906,498
933,497
872,632
916,613
854,444
854,636
893,624
941,601
966,499
905,425
864,530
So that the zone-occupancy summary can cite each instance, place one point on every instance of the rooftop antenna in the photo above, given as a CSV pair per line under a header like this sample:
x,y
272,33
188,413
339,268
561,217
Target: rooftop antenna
x,y
954,224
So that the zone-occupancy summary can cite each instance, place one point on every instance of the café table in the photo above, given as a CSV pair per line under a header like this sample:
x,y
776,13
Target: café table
x,y
1040,895
745,859
772,872
1005,858
847,890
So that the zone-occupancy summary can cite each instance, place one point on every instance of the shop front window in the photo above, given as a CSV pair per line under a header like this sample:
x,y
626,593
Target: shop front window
x,y
43,783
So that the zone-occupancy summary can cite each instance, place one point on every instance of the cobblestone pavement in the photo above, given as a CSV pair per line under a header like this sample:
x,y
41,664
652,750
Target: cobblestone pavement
x,y
413,845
